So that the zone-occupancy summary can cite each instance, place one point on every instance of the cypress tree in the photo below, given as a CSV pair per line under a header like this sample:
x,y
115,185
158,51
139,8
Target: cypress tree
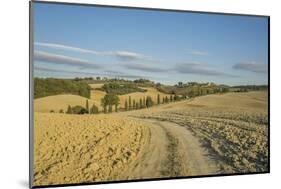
x,y
130,103
94,109
149,102
126,105
87,105
69,110
140,103
104,109
134,104
158,99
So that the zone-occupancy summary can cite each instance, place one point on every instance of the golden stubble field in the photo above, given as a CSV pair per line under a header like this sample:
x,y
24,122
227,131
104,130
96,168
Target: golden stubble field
x,y
232,132
61,102
84,148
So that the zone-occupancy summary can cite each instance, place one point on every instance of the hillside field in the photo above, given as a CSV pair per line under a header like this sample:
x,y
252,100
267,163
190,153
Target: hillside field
x,y
213,134
58,102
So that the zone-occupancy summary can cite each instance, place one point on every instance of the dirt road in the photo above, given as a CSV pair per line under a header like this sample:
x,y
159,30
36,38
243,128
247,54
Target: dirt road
x,y
172,151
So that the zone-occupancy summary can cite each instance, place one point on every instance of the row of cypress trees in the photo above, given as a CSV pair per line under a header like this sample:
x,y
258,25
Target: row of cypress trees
x,y
130,104
83,110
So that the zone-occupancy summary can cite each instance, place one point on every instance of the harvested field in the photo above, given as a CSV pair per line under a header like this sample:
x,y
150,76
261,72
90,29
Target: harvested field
x,y
207,135
75,148
58,102
233,127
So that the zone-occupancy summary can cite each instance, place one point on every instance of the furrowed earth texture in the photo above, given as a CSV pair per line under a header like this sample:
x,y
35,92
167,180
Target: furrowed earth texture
x,y
207,135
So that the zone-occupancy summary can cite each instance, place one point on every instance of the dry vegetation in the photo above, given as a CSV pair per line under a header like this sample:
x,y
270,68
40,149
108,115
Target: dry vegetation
x,y
233,127
84,148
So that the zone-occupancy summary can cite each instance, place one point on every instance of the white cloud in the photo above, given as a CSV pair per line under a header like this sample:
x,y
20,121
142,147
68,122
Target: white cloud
x,y
123,55
198,53
144,67
61,59
252,67
111,74
199,68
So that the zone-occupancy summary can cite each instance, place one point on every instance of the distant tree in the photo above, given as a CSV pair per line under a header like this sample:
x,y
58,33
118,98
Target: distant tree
x,y
52,111
130,103
98,78
134,104
180,84
166,99
126,105
104,105
149,101
61,111
144,102
69,110
158,99
94,109
116,102
171,98
110,100
87,105
141,103
176,98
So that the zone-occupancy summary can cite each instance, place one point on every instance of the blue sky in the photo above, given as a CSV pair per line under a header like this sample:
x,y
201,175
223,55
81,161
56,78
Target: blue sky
x,y
167,47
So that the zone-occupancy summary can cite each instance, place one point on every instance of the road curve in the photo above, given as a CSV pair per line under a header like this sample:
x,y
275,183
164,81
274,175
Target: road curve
x,y
172,151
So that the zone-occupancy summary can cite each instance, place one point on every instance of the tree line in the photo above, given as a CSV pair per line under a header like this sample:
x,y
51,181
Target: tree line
x,y
51,86
110,102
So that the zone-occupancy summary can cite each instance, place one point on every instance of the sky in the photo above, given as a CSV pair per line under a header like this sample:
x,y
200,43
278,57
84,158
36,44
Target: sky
x,y
163,46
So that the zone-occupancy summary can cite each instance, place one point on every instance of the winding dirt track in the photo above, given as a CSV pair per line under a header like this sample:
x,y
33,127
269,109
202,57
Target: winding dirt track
x,y
171,152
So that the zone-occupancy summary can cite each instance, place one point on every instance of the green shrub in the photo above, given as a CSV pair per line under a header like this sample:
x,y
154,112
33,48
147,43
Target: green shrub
x,y
79,110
